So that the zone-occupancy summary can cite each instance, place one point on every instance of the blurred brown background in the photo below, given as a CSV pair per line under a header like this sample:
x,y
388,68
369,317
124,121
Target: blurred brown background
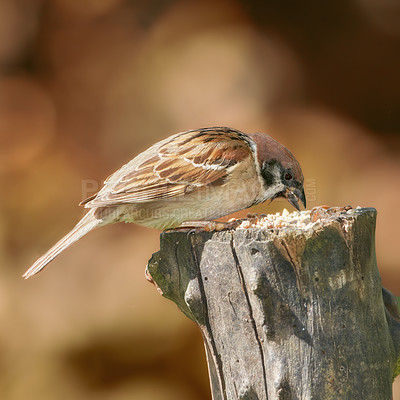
x,y
86,85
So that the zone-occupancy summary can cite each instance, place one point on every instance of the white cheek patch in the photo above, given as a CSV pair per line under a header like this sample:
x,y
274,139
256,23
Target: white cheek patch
x,y
277,173
272,190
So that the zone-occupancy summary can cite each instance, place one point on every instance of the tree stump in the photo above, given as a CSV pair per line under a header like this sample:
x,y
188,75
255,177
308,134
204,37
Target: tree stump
x,y
289,314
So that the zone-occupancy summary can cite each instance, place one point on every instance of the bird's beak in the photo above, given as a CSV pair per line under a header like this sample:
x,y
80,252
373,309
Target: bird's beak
x,y
294,195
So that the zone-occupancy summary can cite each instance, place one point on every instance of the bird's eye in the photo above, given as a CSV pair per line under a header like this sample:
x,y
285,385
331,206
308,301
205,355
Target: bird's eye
x,y
288,176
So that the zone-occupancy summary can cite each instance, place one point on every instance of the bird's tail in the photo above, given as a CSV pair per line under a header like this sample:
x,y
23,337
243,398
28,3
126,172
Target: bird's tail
x,y
84,226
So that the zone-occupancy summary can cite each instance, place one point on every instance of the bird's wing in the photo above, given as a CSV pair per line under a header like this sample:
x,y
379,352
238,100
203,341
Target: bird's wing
x,y
175,166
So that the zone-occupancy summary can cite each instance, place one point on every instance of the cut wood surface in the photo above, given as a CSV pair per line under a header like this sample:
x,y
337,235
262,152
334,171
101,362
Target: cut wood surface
x,y
294,313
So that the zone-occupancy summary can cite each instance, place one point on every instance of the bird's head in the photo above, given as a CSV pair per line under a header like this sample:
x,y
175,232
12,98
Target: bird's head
x,y
281,174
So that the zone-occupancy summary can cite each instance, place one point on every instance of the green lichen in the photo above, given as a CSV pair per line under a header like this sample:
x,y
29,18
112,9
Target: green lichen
x,y
396,371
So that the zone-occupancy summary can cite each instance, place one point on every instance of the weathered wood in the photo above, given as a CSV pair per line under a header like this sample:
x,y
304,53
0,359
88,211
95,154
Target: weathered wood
x,y
287,314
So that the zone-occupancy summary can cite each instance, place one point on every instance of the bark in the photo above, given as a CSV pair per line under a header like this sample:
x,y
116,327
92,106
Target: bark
x,y
288,314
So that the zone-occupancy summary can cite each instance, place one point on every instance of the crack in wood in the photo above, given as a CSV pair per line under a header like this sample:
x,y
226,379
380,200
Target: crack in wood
x,y
230,302
252,320
214,352
295,267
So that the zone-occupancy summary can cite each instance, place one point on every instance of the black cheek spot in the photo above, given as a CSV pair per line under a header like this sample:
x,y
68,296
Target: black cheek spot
x,y
268,177
267,171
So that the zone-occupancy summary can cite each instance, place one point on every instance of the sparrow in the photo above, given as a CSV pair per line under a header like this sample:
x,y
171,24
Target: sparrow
x,y
192,176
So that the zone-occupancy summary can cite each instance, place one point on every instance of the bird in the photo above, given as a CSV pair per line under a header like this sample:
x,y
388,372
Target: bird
x,y
189,178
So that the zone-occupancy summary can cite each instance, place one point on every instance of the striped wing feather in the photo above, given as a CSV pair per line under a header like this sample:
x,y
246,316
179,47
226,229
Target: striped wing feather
x,y
187,161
